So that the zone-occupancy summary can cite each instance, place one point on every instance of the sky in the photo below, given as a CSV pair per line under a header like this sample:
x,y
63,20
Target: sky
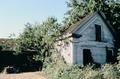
x,y
14,14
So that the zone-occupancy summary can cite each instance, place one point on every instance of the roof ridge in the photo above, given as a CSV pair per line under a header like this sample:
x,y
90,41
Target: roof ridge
x,y
75,25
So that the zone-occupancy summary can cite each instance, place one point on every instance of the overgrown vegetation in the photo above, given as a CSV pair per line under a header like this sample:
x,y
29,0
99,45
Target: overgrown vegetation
x,y
42,37
56,69
39,37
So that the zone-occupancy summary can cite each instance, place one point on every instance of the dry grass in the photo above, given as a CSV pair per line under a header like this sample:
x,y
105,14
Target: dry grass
x,y
30,75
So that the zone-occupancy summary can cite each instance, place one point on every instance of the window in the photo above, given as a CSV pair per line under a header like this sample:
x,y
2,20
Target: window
x,y
98,32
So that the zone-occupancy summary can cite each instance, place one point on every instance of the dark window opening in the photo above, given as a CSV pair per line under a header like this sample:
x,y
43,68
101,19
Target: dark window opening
x,y
87,57
109,56
98,32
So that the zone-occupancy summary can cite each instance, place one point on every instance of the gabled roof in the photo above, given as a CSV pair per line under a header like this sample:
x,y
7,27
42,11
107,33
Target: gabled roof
x,y
80,23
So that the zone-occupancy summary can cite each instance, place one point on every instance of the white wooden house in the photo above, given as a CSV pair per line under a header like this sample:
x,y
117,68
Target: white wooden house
x,y
90,41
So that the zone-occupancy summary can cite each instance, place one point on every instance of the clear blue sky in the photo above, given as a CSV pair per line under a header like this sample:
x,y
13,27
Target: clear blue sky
x,y
15,13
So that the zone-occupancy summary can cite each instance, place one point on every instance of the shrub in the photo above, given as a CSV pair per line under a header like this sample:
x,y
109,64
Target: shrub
x,y
110,72
55,68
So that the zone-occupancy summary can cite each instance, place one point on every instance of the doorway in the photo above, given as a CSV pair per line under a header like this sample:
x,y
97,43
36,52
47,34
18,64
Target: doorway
x,y
109,56
87,57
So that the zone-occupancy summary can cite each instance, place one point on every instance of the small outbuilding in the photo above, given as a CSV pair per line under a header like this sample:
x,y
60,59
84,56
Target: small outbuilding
x,y
91,40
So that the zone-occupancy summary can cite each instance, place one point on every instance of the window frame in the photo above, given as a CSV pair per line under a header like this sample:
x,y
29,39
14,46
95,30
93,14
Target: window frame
x,y
98,32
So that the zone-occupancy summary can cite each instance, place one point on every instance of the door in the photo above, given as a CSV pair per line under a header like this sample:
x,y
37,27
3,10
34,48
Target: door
x,y
87,57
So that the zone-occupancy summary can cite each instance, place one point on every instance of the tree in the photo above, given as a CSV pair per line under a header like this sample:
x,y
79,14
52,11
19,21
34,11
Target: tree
x,y
39,37
26,39
78,10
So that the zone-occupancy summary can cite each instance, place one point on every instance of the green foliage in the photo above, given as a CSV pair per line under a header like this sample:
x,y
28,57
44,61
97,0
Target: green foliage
x,y
39,37
26,39
77,11
56,69
110,72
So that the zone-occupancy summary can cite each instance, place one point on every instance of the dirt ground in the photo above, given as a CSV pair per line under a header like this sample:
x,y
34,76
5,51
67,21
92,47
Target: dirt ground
x,y
29,75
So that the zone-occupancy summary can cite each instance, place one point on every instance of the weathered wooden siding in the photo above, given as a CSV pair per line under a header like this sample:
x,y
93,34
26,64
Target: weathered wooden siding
x,y
73,52
87,41
88,30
